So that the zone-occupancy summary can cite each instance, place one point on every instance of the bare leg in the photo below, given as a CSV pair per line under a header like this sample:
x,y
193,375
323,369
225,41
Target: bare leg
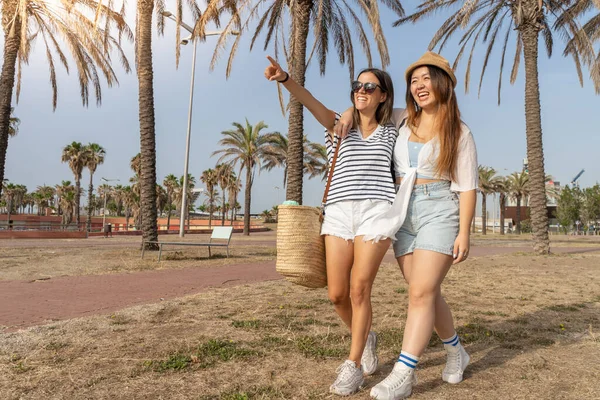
x,y
444,323
339,254
367,259
428,270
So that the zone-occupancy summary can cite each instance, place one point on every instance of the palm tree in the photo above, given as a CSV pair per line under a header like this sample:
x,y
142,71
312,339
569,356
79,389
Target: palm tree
x,y
170,183
317,163
483,22
65,193
60,190
329,25
488,182
233,189
76,155
276,154
130,203
68,203
518,188
210,178
161,199
143,57
502,190
10,191
45,195
247,146
225,176
82,27
94,157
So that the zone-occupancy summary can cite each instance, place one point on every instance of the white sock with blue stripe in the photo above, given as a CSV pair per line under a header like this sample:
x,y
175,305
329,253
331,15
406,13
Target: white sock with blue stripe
x,y
453,341
408,359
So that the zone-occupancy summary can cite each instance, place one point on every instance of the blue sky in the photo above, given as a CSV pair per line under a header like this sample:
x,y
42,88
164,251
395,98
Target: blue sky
x,y
570,116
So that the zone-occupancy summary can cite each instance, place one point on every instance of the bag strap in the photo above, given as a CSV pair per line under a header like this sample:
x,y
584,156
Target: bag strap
x,y
331,168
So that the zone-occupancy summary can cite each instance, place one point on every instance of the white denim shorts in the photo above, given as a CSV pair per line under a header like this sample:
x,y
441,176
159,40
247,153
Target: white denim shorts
x,y
350,218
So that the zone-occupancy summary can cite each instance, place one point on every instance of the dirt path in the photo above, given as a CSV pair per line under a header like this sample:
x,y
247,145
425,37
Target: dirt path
x,y
29,303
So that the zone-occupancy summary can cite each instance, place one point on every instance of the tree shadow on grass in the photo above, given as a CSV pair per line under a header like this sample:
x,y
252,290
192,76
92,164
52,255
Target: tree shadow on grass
x,y
505,339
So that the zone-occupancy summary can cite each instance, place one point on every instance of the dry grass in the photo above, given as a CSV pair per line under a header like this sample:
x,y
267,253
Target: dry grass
x,y
531,324
49,262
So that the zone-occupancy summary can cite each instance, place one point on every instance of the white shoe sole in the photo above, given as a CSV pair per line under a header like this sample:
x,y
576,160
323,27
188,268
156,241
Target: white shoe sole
x,y
456,378
375,396
348,393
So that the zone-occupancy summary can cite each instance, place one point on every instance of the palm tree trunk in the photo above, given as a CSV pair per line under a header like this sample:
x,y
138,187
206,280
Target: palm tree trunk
x,y
90,206
502,207
295,160
535,150
7,79
77,200
9,208
483,214
518,227
210,210
223,208
248,193
147,132
168,210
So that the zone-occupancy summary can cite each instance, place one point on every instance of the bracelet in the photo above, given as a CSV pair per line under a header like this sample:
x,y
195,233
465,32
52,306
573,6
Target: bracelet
x,y
287,76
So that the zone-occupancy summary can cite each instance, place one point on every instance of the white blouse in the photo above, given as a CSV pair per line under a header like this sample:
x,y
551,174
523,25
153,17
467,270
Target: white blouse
x,y
466,177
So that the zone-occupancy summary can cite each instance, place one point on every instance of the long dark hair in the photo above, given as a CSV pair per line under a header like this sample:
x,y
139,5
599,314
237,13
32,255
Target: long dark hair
x,y
448,122
383,114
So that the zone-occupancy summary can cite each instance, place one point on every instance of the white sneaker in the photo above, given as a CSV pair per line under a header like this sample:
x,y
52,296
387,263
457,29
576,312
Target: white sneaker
x,y
349,380
397,385
369,360
456,363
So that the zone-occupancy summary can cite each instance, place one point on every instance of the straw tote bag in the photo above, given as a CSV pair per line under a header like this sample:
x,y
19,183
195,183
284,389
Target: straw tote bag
x,y
300,246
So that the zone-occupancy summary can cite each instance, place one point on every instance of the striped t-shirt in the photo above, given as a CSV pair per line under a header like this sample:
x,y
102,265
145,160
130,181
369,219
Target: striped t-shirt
x,y
362,170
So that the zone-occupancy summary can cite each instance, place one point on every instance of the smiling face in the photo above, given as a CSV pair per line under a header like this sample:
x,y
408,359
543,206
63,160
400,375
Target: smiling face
x,y
368,102
421,88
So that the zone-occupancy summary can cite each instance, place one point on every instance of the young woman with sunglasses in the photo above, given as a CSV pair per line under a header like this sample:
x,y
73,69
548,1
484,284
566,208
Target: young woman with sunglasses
x,y
361,189
434,158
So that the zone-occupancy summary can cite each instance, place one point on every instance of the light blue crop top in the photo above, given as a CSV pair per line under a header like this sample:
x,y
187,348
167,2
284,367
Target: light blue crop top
x,y
414,148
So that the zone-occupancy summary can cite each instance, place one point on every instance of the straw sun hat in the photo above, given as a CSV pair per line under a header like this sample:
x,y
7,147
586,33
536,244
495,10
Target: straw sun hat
x,y
431,58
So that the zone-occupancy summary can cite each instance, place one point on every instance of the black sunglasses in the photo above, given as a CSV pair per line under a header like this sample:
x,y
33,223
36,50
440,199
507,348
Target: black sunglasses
x,y
368,86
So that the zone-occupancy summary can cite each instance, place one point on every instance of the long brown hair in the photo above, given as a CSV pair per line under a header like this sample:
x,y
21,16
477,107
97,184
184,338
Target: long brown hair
x,y
383,114
448,122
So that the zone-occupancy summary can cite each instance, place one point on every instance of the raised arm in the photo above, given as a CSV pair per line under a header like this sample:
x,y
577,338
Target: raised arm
x,y
325,116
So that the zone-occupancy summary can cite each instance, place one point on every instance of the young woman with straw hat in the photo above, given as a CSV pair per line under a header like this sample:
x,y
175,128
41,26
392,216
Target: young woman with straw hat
x,y
435,162
362,188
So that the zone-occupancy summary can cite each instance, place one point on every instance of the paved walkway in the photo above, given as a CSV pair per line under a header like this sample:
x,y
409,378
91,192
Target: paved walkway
x,y
29,303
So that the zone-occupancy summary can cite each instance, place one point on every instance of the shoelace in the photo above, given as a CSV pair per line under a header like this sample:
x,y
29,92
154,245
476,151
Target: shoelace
x,y
396,379
453,361
344,371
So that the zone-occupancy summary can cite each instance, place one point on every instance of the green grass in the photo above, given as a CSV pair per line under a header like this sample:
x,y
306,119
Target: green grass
x,y
566,307
320,347
207,355
249,324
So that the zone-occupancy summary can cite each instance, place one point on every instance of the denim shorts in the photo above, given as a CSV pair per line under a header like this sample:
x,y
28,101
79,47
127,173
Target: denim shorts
x,y
431,221
350,218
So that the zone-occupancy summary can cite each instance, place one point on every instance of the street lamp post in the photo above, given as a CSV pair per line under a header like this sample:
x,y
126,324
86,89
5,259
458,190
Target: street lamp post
x,y
185,41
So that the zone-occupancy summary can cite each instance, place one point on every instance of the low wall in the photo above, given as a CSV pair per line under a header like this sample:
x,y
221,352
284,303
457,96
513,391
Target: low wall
x,y
176,232
7,234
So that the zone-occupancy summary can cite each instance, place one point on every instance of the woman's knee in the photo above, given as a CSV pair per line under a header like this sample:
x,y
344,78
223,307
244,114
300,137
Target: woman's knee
x,y
422,295
360,292
338,295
